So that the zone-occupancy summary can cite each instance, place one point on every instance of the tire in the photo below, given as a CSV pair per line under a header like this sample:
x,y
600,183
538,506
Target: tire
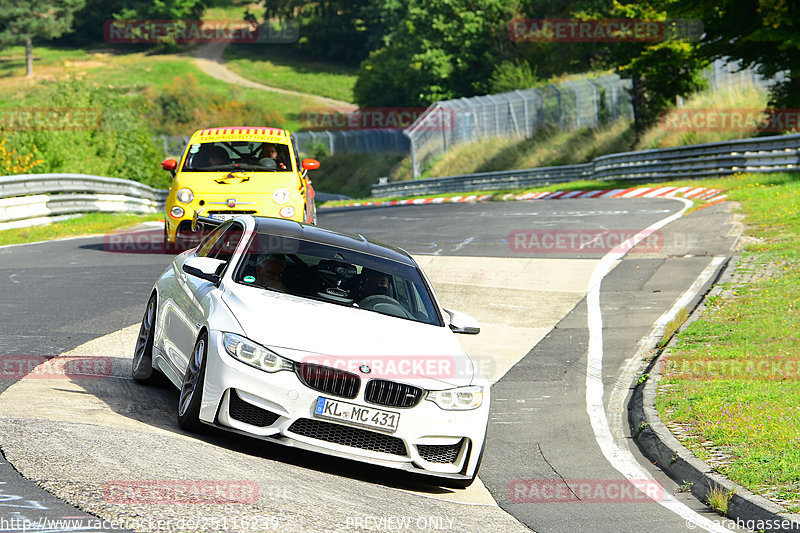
x,y
169,247
142,370
191,394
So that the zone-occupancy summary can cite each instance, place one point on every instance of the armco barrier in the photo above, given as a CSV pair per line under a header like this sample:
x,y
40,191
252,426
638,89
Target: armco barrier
x,y
762,154
30,199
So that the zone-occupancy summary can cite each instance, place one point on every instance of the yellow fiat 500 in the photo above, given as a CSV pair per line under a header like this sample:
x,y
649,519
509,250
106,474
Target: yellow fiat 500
x,y
225,172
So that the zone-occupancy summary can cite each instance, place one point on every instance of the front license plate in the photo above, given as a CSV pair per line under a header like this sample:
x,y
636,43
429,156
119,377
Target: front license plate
x,y
356,414
223,217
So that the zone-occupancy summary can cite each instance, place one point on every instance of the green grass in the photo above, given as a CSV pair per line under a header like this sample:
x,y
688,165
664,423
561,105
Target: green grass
x,y
276,66
732,97
126,68
88,224
12,59
234,12
733,377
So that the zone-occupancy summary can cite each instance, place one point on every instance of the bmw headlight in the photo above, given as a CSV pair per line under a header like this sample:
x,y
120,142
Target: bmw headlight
x,y
254,354
185,196
459,399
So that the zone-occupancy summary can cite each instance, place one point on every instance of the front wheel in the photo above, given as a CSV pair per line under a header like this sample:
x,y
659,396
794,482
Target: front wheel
x,y
192,388
142,366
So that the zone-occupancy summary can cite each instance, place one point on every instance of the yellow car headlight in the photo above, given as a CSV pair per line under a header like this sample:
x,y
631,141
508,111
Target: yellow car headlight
x,y
185,196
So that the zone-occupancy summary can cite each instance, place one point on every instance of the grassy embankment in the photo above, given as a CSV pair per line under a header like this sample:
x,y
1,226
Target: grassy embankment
x,y
134,70
732,382
138,93
89,224
551,147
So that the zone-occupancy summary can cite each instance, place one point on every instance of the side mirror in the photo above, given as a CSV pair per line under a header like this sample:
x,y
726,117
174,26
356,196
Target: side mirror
x,y
206,268
169,165
310,164
463,323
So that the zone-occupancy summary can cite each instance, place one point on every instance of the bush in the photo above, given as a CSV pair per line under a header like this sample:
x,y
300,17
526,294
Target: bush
x,y
184,107
510,76
121,145
12,162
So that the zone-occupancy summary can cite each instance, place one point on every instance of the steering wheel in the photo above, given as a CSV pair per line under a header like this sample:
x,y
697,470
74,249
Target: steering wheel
x,y
385,304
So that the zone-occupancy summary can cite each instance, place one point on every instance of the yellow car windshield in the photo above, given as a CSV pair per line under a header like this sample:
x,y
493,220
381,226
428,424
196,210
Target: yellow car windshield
x,y
254,156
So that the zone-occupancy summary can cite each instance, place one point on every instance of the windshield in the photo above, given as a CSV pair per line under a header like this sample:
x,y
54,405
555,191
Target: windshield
x,y
238,155
338,276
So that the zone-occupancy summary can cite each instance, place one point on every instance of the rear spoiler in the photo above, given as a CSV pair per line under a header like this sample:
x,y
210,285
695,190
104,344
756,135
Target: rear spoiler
x,y
204,223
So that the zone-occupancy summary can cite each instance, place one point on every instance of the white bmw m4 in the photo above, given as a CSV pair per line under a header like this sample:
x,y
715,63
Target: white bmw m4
x,y
319,340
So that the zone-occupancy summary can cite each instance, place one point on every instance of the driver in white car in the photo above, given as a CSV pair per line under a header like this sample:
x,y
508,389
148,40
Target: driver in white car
x,y
373,283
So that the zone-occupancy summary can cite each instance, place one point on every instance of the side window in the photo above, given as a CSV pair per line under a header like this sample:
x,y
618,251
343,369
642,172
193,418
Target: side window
x,y
419,306
402,292
209,241
224,247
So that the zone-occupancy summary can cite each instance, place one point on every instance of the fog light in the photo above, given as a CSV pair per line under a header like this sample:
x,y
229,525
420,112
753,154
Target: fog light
x,y
287,211
176,212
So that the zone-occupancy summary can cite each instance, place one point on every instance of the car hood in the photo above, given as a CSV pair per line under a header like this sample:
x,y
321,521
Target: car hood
x,y
312,331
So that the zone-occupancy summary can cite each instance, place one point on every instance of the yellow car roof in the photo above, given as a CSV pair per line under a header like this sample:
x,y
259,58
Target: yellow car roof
x,y
249,133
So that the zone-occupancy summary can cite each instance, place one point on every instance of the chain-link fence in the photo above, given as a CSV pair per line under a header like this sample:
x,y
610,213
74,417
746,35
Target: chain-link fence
x,y
173,144
359,141
517,114
724,73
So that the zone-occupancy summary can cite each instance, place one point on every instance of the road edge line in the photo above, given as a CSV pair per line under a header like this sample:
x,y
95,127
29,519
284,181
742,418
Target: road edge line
x,y
620,458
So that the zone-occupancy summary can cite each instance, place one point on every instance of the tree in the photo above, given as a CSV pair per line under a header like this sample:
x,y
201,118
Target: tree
x,y
763,34
659,71
344,31
21,21
440,49
161,10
